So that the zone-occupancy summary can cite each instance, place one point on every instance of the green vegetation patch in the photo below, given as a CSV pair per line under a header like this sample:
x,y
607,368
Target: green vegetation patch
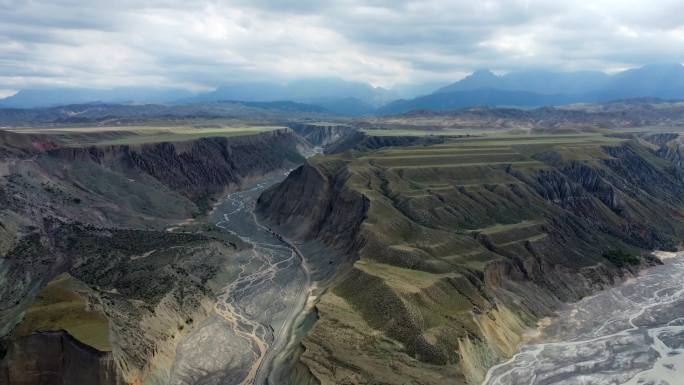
x,y
449,160
401,279
620,258
62,305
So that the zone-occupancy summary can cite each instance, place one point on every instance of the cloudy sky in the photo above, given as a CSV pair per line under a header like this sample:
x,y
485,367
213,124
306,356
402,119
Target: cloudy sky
x,y
199,44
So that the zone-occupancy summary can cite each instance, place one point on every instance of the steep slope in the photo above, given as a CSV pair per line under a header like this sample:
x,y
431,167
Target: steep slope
x,y
198,170
57,358
322,134
463,246
336,211
100,215
360,141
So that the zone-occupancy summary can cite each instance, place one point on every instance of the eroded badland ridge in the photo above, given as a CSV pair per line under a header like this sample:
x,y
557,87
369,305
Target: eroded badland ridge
x,y
463,246
100,215
428,251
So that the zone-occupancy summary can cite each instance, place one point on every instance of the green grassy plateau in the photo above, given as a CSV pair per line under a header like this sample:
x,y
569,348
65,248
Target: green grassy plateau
x,y
141,134
61,305
467,243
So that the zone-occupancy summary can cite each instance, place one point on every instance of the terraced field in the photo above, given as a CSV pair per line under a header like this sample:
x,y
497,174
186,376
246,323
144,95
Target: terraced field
x,y
413,132
445,196
467,243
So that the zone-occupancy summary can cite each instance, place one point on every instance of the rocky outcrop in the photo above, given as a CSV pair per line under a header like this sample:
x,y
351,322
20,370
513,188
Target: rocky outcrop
x,y
17,145
315,210
335,138
321,134
151,285
449,277
660,139
671,148
314,204
198,169
360,141
56,358
100,213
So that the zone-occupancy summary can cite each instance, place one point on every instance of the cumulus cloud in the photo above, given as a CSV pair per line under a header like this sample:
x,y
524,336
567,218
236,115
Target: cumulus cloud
x,y
200,44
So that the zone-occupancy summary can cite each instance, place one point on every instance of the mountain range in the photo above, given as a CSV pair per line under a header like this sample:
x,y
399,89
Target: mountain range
x,y
545,88
527,89
335,95
51,97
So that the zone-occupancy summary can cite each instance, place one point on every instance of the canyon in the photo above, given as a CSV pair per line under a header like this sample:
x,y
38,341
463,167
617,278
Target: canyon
x,y
630,334
317,253
109,217
459,255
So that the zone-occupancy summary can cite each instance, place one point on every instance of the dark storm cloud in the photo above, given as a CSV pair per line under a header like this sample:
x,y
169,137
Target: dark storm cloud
x,y
198,44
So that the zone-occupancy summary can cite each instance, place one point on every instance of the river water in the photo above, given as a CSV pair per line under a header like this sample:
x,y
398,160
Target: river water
x,y
256,310
631,334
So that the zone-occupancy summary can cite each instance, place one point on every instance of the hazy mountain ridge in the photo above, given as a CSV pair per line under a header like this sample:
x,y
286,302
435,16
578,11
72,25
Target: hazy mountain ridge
x,y
541,82
340,96
113,114
649,78
526,89
609,115
481,97
545,88
31,98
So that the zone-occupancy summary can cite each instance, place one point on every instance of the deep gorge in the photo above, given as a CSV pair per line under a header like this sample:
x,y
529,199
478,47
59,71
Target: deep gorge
x,y
427,265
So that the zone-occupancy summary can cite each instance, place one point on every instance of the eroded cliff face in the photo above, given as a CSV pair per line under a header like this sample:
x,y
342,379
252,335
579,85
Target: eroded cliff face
x,y
199,169
314,204
360,141
56,358
454,264
151,286
322,134
315,210
101,215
